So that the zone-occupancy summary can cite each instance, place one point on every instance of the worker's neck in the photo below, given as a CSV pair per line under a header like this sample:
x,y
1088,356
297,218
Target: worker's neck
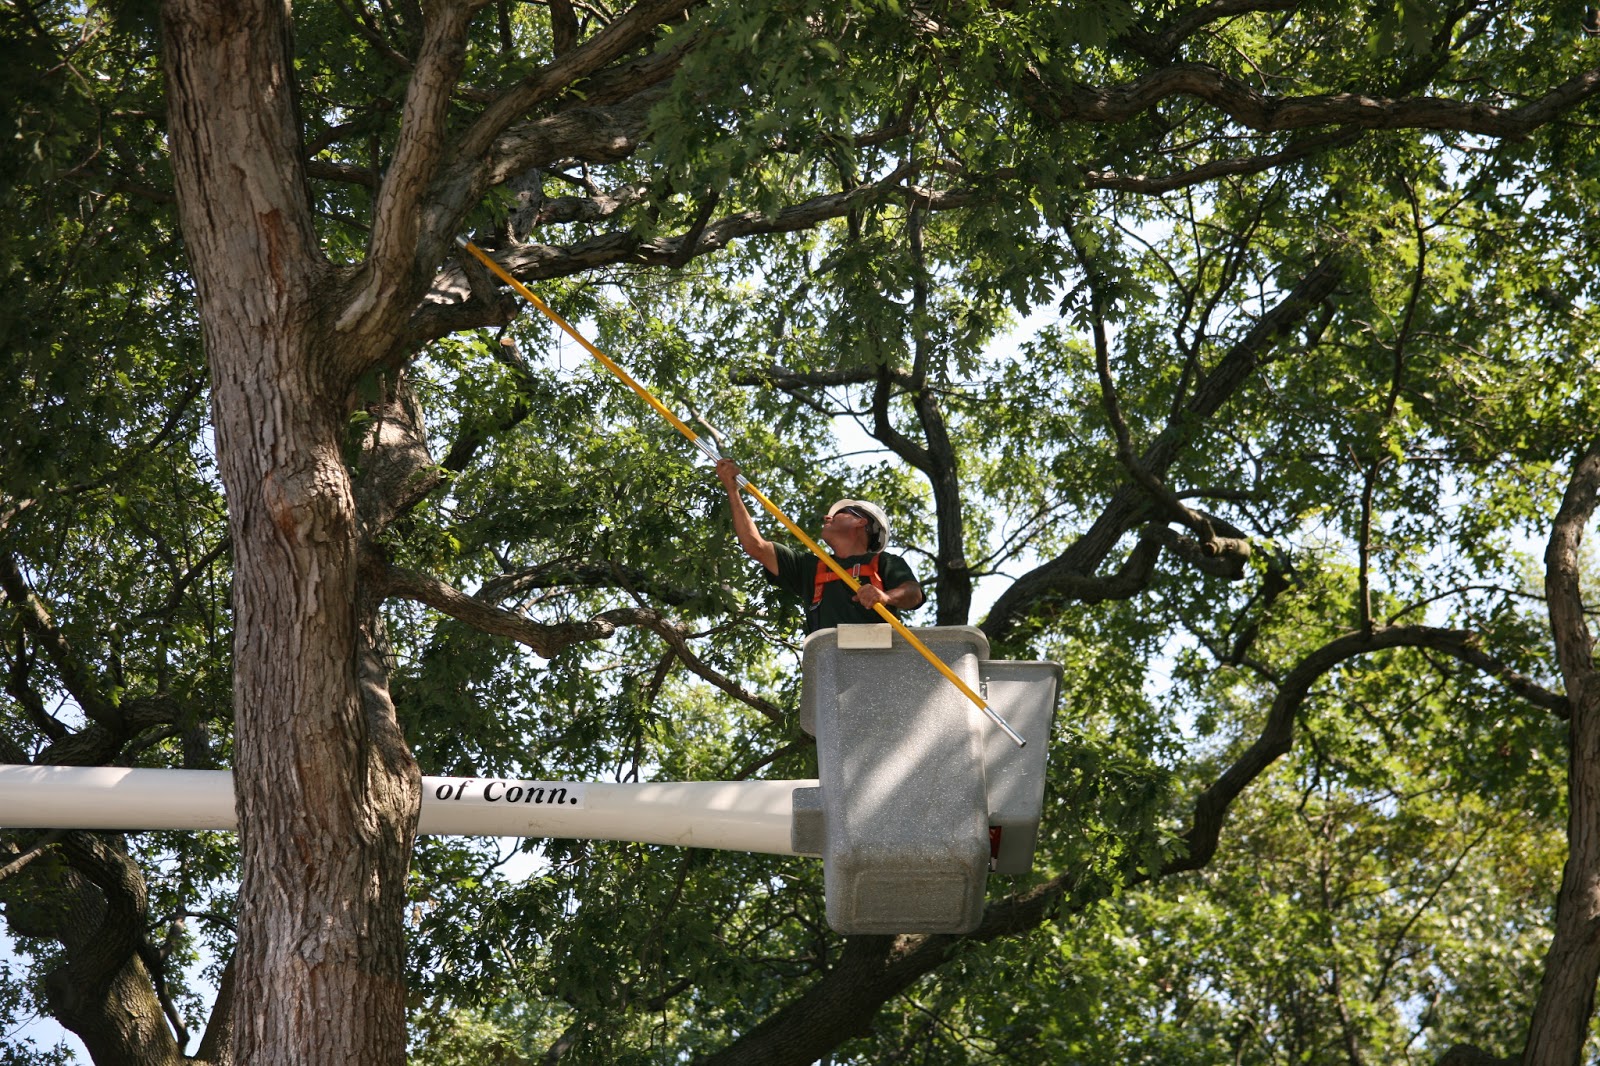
x,y
845,547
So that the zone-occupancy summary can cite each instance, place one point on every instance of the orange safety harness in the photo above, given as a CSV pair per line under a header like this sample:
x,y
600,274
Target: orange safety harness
x,y
867,571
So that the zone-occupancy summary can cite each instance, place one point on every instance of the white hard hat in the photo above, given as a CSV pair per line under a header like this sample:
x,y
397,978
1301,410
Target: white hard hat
x,y
879,519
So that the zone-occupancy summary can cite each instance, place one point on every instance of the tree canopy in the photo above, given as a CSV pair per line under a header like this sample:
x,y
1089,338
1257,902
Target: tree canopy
x,y
1237,355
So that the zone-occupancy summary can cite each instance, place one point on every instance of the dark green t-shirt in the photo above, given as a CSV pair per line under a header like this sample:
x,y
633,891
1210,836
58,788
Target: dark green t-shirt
x,y
797,574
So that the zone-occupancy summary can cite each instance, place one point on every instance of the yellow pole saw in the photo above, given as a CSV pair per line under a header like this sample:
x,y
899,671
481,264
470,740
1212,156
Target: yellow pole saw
x,y
712,452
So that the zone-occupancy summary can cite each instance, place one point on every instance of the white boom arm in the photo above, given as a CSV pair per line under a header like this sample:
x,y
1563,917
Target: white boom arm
x,y
729,815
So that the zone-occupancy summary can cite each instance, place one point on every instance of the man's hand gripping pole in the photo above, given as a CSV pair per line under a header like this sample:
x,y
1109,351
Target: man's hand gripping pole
x,y
712,452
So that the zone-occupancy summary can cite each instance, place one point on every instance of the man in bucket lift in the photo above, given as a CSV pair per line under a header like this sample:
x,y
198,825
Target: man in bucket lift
x,y
856,532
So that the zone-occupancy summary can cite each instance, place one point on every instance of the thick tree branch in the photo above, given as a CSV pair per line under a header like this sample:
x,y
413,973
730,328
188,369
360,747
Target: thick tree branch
x,y
1563,576
396,470
1277,734
1267,113
547,640
397,257
1054,581
1227,565
90,896
421,143
501,143
550,639
1562,1015
630,31
440,313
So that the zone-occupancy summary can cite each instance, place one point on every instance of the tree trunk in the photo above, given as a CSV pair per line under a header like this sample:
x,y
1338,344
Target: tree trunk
x,y
1560,1023
327,803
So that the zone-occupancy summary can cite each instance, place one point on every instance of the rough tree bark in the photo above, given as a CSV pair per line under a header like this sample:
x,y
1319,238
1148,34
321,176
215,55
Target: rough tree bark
x,y
1561,1017
327,792
102,989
